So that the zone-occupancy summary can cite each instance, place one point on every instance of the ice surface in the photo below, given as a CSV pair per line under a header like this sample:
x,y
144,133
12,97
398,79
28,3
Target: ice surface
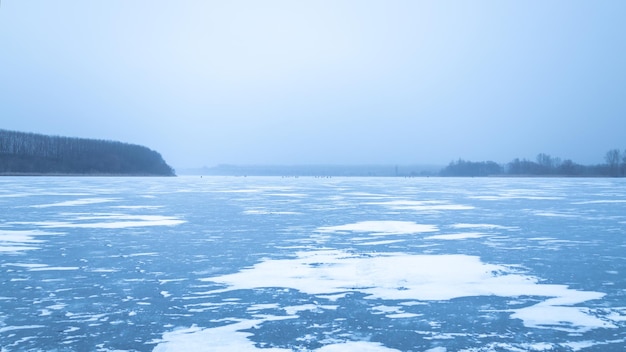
x,y
347,264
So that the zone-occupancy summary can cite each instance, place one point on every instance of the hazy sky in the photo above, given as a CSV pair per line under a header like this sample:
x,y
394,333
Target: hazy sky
x,y
320,82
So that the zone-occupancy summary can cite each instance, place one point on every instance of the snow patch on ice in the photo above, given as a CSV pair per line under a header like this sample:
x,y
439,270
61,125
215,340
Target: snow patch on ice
x,y
142,207
21,327
260,306
292,310
55,268
231,338
77,202
224,338
481,226
456,236
555,214
378,243
427,205
602,201
268,212
381,228
15,241
355,346
423,277
437,349
109,221
393,312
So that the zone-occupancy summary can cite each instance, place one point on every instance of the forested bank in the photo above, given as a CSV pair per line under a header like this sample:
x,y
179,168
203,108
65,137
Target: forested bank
x,y
543,165
32,154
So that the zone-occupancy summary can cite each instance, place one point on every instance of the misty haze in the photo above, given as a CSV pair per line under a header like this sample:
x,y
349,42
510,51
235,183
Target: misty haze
x,y
317,176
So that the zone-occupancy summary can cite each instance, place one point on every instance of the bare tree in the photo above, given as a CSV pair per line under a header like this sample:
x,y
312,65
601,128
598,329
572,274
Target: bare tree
x,y
612,159
623,168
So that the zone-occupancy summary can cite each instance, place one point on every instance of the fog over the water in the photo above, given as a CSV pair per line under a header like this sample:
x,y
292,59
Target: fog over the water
x,y
320,82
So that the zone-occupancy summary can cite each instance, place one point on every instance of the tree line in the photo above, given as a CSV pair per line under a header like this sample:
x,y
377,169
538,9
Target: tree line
x,y
31,153
543,165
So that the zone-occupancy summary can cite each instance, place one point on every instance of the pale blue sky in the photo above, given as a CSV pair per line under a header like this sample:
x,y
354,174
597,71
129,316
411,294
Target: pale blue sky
x,y
320,82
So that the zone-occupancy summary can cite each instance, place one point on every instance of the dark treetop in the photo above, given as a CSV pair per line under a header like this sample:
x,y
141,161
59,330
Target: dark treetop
x,y
32,154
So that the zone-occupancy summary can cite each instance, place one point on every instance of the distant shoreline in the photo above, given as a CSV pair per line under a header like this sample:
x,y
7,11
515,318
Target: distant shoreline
x,y
32,154
35,174
16,174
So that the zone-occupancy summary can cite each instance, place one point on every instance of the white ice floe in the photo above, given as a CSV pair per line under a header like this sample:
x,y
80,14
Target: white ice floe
x,y
230,337
104,270
515,194
268,212
293,195
109,221
378,243
223,338
135,207
145,254
427,205
393,312
21,327
15,241
456,236
382,309
77,202
293,310
54,268
482,226
15,249
556,214
602,201
239,191
355,346
437,349
403,315
381,228
258,307
400,276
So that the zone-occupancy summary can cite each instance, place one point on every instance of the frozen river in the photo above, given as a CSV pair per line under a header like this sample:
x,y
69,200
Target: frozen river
x,y
312,264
